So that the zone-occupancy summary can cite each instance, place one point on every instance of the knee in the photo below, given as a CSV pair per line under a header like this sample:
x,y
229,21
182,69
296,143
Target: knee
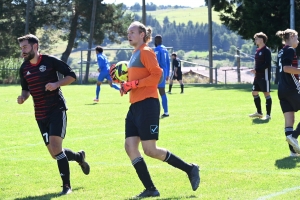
x,y
150,152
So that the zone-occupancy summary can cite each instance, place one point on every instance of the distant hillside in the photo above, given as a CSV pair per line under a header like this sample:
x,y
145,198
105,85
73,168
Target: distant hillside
x,y
183,15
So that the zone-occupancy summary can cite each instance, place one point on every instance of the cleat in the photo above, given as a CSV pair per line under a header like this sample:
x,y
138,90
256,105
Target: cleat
x,y
259,115
293,142
147,193
169,92
268,117
66,190
181,92
96,100
83,164
294,154
164,115
194,177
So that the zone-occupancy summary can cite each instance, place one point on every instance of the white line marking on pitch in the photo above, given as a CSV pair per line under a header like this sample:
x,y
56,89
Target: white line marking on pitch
x,y
278,193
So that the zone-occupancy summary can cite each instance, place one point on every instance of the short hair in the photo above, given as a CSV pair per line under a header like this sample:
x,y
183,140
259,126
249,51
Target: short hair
x,y
99,49
32,39
158,40
261,35
174,54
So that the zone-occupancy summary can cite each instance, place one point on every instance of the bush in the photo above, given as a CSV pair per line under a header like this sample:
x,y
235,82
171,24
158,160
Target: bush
x,y
9,70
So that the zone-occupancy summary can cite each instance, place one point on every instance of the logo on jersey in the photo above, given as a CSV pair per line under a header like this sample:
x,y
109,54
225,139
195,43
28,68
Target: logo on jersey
x,y
153,129
42,68
28,73
260,53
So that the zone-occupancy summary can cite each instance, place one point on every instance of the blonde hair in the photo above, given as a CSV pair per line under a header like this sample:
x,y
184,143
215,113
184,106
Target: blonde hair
x,y
143,29
285,35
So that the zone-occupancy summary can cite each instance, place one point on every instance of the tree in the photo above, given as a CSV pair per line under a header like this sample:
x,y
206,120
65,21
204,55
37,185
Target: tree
x,y
110,22
247,17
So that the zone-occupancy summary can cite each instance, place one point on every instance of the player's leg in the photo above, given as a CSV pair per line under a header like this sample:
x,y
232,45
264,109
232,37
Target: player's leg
x,y
266,90
179,78
257,101
150,118
111,84
98,87
131,146
164,101
291,138
171,82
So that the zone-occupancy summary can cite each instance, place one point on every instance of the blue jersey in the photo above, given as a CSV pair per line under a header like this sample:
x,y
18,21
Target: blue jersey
x,y
163,59
103,62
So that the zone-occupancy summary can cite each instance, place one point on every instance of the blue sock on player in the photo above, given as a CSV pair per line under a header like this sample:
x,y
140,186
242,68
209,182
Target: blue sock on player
x,y
164,102
115,86
98,91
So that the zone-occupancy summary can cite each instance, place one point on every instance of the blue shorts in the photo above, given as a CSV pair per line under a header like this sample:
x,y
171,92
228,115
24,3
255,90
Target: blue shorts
x,y
103,75
163,83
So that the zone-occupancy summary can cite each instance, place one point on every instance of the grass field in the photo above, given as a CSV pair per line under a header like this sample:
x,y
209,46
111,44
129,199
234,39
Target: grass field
x,y
239,157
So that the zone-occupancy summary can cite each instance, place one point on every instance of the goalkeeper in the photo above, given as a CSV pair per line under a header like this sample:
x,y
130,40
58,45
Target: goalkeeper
x,y
142,120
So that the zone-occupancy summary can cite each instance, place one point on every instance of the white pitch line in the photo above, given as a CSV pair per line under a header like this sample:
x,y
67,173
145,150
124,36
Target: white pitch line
x,y
278,193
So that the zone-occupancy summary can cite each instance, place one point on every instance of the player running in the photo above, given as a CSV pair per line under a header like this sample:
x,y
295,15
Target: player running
x,y
39,78
176,73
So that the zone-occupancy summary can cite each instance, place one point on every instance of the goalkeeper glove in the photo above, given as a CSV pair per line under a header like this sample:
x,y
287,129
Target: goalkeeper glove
x,y
127,86
112,73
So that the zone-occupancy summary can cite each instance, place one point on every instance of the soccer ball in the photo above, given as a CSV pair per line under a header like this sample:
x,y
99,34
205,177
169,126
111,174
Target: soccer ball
x,y
121,73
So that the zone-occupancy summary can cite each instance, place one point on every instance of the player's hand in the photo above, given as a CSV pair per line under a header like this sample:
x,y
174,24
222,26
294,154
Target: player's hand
x,y
253,71
127,86
167,78
20,100
51,86
175,74
112,71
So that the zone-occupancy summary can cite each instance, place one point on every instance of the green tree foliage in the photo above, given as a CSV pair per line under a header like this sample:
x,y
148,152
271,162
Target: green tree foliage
x,y
247,17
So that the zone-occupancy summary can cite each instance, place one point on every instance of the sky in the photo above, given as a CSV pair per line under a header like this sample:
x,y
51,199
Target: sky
x,y
189,3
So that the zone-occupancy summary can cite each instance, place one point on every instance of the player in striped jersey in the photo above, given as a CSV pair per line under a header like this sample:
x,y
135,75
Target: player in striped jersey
x,y
39,78
262,77
289,87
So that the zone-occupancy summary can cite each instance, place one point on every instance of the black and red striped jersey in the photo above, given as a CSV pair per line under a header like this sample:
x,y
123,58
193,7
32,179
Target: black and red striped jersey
x,y
34,77
263,63
288,83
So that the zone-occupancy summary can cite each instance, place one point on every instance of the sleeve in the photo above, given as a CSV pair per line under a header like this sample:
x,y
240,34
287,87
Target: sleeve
x,y
267,63
62,67
23,81
99,61
287,60
148,58
160,57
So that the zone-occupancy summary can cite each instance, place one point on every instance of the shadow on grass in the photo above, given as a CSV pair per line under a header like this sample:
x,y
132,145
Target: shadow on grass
x,y
170,198
260,121
243,87
287,162
46,196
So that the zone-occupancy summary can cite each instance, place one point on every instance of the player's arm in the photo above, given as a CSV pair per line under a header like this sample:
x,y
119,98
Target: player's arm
x,y
167,65
64,69
23,97
287,63
148,58
267,56
25,91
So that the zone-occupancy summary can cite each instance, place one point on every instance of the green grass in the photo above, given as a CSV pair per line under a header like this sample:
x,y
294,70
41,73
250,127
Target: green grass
x,y
183,15
239,157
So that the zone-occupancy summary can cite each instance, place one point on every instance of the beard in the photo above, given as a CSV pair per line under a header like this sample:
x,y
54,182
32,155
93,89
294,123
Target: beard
x,y
30,55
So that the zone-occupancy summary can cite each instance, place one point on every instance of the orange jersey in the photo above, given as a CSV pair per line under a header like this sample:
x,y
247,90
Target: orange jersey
x,y
143,66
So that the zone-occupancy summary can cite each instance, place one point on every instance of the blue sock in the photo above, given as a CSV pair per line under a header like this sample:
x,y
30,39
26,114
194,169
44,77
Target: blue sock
x,y
115,86
164,102
97,91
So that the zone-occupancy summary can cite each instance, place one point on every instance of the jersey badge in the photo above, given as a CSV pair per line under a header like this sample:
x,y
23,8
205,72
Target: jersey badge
x,y
260,53
42,68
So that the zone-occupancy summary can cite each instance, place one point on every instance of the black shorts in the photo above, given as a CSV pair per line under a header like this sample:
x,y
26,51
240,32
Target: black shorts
x,y
261,85
54,125
290,103
142,119
178,77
